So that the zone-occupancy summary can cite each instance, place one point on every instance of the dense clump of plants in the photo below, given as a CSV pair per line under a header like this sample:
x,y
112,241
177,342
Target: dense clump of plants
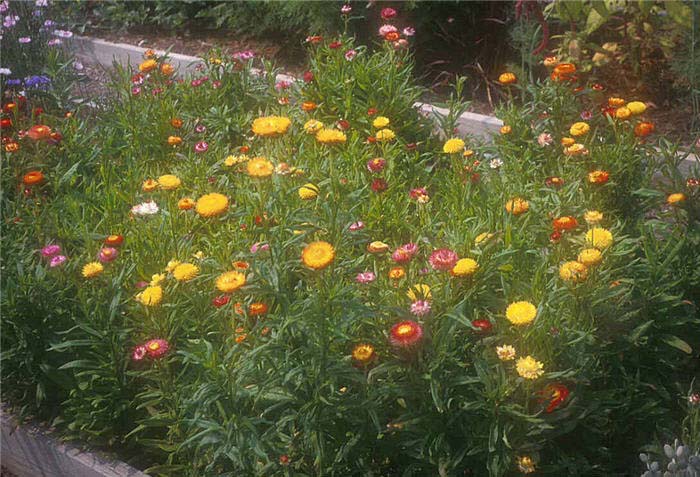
x,y
226,274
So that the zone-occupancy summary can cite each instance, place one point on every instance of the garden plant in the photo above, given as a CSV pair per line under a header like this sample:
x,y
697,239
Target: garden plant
x,y
223,274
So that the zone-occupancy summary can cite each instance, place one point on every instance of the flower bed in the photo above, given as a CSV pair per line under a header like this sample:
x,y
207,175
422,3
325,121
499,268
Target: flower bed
x,y
225,274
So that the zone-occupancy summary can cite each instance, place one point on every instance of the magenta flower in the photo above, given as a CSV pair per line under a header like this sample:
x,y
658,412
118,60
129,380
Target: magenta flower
x,y
57,260
139,353
376,165
409,31
54,42
107,254
201,146
216,84
345,9
443,259
136,91
586,115
420,307
365,277
350,55
388,13
200,128
355,226
24,40
50,250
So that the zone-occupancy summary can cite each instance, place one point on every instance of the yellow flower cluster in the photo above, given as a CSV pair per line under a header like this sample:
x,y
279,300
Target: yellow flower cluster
x,y
271,126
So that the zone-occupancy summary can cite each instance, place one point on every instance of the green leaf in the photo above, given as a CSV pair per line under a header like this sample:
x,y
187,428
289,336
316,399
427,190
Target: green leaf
x,y
679,12
678,343
594,21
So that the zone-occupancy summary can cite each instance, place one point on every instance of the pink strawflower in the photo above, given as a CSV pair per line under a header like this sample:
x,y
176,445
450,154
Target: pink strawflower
x,y
259,247
545,139
107,254
409,31
57,260
388,13
365,277
355,226
404,253
139,353
282,85
420,307
50,250
216,84
136,91
345,9
350,55
443,259
200,128
384,29
156,348
586,115
244,55
201,146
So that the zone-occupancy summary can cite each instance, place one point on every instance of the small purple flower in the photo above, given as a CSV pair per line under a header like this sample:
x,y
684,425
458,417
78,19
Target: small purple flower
x,y
57,260
201,146
108,254
200,128
420,307
10,20
78,65
49,23
50,250
345,9
259,247
355,226
41,3
24,40
409,31
365,277
586,115
350,55
54,42
136,91
423,271
4,6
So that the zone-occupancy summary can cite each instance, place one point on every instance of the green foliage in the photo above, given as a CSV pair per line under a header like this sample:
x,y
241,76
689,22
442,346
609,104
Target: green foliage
x,y
279,393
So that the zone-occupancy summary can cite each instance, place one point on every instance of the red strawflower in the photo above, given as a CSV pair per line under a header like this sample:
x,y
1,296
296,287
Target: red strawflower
x,y
379,185
114,240
482,325
405,334
220,300
388,13
565,223
556,393
308,77
156,348
335,45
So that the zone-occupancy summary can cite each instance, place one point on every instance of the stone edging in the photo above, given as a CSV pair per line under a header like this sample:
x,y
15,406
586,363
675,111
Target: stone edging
x,y
105,53
29,451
